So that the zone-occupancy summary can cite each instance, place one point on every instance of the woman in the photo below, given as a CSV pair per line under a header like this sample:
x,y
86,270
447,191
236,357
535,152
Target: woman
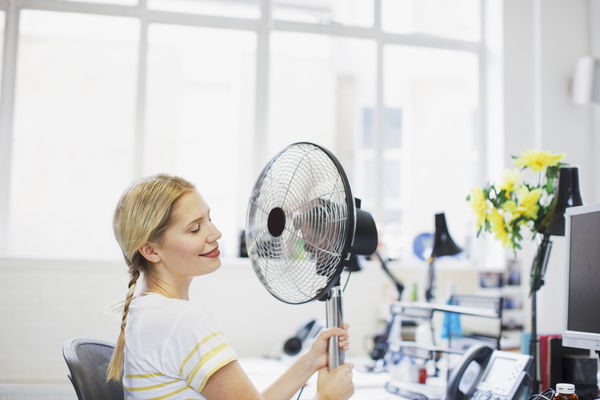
x,y
174,349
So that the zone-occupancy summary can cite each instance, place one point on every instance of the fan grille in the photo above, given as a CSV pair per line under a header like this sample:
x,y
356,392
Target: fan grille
x,y
299,223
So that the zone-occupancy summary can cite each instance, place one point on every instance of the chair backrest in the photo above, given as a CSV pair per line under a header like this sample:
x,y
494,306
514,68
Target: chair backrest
x,y
88,360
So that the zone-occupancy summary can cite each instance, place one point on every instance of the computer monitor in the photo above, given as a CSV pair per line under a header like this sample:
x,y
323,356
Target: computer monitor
x,y
582,319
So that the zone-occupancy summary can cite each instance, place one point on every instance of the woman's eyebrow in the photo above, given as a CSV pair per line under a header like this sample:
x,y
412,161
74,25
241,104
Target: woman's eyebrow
x,y
199,218
194,221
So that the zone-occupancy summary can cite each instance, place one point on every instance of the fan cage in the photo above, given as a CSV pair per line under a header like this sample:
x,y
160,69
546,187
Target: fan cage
x,y
304,259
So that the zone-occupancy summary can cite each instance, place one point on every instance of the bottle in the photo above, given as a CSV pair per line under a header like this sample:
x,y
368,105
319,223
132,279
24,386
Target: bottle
x,y
565,391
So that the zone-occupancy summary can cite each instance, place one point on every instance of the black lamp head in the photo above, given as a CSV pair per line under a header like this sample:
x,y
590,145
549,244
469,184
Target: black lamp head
x,y
443,245
568,196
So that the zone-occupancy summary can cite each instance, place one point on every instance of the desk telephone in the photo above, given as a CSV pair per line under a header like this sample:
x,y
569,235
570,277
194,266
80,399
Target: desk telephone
x,y
485,374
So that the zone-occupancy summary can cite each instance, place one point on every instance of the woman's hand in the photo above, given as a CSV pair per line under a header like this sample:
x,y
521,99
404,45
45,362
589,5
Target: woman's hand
x,y
317,355
335,384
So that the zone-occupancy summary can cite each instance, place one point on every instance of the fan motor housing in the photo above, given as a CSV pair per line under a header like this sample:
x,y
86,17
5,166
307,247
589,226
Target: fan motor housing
x,y
276,221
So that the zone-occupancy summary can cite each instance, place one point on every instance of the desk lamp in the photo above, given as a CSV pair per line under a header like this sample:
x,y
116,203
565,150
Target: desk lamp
x,y
553,225
443,245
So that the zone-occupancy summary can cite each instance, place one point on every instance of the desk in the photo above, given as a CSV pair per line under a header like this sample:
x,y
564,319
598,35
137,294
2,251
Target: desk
x,y
369,386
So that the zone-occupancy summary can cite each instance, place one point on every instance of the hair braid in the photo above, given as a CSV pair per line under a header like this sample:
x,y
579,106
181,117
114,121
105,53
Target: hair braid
x,y
115,367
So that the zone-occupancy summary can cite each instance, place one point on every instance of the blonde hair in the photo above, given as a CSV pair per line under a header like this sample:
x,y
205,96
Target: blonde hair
x,y
142,215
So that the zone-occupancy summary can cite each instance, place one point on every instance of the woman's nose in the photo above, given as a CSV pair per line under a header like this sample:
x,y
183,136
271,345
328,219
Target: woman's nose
x,y
214,234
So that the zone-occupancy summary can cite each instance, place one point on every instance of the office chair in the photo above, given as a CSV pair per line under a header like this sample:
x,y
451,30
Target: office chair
x,y
88,360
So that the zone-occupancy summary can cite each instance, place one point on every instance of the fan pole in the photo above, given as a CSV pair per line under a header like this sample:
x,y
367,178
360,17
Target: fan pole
x,y
334,320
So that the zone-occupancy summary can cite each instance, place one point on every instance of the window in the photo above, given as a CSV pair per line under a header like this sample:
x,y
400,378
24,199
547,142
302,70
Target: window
x,y
459,19
229,8
318,86
109,90
199,118
2,18
119,2
431,166
327,12
73,132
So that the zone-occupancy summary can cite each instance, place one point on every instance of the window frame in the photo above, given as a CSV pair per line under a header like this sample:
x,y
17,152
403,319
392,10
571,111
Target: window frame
x,y
262,27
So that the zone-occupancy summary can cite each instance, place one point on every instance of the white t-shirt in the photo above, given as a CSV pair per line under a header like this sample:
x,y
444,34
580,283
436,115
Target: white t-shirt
x,y
172,347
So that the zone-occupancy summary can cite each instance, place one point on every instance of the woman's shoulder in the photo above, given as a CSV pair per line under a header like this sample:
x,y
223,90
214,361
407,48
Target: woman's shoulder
x,y
177,313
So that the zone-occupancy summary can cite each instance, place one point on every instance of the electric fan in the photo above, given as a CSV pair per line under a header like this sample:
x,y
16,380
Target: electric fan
x,y
303,227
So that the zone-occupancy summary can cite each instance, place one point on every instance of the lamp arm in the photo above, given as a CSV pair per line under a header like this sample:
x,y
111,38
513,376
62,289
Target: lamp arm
x,y
538,270
540,264
399,285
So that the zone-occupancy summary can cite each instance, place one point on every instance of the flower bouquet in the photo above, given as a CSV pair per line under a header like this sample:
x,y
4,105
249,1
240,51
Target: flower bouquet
x,y
518,206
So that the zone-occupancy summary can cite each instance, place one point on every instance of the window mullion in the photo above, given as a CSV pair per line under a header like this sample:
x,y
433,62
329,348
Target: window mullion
x,y
378,131
140,120
7,106
481,142
377,24
378,114
261,108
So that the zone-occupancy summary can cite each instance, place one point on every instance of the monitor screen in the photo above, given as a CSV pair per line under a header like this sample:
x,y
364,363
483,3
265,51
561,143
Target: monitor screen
x,y
583,277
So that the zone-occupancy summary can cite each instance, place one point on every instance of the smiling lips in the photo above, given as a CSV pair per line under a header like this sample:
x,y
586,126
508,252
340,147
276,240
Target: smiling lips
x,y
214,253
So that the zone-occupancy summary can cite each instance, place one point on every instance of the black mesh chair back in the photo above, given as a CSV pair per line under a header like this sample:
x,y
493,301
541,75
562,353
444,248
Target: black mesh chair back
x,y
88,360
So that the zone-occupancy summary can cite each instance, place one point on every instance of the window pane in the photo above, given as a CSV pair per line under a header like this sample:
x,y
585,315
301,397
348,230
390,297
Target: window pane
x,y
199,118
320,87
392,128
459,19
230,8
2,18
345,12
119,2
437,91
73,138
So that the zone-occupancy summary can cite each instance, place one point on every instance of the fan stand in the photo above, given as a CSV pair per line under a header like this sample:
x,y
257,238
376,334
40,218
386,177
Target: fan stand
x,y
333,305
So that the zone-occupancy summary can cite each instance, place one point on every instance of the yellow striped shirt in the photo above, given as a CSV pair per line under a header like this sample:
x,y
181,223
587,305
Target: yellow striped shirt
x,y
172,348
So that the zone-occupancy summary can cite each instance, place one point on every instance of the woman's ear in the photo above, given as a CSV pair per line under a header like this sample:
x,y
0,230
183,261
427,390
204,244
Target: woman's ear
x,y
149,252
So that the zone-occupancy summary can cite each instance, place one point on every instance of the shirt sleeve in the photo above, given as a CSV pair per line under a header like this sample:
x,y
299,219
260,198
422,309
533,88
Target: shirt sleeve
x,y
196,348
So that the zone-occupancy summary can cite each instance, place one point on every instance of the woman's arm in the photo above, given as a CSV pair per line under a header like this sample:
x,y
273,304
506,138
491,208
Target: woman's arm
x,y
230,382
314,360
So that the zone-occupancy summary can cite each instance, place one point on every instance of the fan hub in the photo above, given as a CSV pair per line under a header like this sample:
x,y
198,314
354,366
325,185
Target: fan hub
x,y
276,221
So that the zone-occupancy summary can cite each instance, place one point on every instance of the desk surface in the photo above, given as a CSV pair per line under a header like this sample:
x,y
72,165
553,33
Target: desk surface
x,y
369,386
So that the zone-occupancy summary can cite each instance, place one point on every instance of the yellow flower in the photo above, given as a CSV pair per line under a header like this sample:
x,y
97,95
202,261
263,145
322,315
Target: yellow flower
x,y
511,177
538,160
499,227
479,206
528,202
510,208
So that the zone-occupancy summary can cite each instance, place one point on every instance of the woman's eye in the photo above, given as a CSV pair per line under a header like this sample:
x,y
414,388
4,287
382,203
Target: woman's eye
x,y
195,228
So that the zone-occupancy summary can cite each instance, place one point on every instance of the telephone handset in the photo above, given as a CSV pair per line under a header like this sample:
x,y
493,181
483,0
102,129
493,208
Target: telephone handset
x,y
485,374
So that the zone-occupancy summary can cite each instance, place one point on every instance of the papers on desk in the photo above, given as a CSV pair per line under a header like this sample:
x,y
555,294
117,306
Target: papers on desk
x,y
416,391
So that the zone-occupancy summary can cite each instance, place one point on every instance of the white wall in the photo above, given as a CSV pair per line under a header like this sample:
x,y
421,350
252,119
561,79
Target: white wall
x,y
542,40
42,304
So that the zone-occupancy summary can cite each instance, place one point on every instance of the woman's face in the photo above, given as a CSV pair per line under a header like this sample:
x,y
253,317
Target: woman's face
x,y
189,246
